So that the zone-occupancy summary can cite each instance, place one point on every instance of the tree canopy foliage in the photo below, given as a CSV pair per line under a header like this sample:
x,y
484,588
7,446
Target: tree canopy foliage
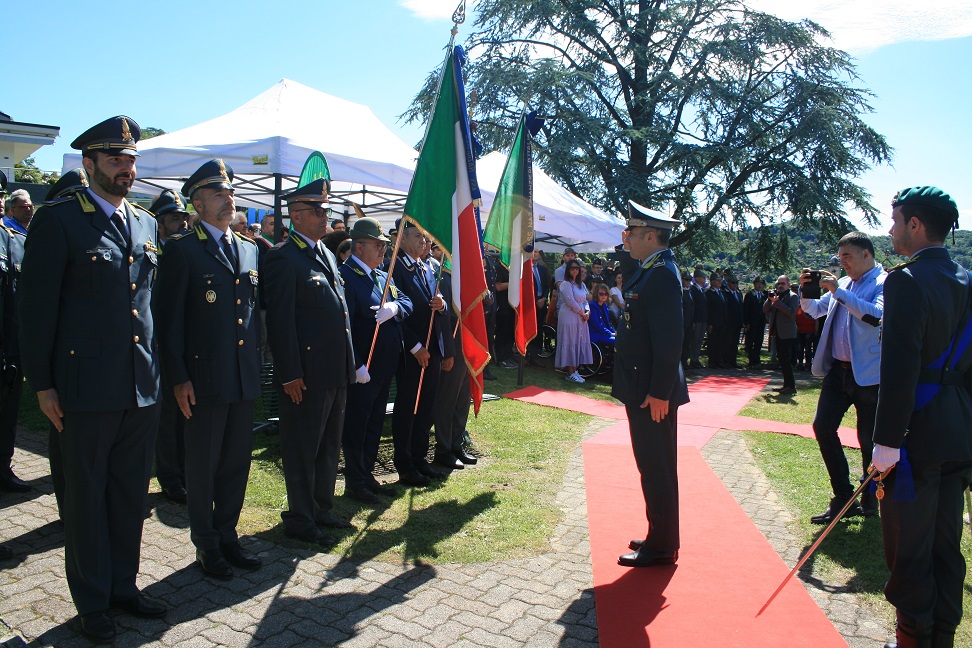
x,y
716,114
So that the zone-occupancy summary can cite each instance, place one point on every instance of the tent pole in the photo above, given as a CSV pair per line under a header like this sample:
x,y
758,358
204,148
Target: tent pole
x,y
277,210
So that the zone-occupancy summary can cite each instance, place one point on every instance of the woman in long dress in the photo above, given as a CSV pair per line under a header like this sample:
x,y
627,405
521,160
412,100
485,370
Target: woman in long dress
x,y
573,311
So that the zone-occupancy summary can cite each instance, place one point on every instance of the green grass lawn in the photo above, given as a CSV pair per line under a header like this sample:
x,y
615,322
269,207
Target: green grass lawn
x,y
770,406
504,507
852,555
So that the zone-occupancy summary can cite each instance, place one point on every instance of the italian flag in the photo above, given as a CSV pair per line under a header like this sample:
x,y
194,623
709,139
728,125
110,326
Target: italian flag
x,y
510,230
442,201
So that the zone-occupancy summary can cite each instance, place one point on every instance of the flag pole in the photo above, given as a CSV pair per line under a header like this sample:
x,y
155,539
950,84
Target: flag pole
x,y
428,341
384,296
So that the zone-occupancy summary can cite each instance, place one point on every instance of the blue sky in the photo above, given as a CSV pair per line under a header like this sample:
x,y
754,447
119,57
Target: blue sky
x,y
176,63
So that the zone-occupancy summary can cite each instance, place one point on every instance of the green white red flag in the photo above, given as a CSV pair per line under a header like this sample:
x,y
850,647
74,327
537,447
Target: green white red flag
x,y
510,230
442,201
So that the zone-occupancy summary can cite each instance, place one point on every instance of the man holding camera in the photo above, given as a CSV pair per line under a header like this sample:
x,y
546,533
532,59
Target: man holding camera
x,y
849,359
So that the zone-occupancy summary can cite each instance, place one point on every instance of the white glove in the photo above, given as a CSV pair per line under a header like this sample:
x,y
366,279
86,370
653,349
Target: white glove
x,y
386,312
883,457
361,375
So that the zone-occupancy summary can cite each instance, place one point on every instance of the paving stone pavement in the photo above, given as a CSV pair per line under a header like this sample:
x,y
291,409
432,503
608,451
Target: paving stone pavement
x,y
302,598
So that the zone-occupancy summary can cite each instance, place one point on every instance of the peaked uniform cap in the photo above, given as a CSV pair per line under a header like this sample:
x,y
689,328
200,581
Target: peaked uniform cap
x,y
114,136
72,181
640,216
168,201
314,191
215,174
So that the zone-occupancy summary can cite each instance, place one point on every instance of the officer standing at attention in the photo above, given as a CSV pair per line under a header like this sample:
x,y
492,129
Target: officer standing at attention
x,y
170,450
364,285
208,334
310,338
86,333
925,406
648,379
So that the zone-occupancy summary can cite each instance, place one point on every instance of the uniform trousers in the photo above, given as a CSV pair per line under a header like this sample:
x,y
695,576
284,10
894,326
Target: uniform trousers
x,y
310,445
654,446
717,339
11,388
170,446
219,445
364,418
57,468
837,393
754,343
505,333
410,432
699,335
107,462
784,351
451,408
922,544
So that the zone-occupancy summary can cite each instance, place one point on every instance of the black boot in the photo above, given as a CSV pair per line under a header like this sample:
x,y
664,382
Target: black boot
x,y
909,636
943,637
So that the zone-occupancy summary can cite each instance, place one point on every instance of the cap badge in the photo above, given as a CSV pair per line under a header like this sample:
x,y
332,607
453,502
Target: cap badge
x,y
126,133
222,171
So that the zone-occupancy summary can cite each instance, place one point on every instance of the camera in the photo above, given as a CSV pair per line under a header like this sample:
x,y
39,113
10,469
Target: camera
x,y
770,294
811,289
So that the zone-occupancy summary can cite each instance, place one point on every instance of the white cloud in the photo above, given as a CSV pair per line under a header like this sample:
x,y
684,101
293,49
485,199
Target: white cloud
x,y
434,9
861,25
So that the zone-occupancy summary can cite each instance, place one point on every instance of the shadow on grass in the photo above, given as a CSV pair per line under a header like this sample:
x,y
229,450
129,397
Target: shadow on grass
x,y
854,546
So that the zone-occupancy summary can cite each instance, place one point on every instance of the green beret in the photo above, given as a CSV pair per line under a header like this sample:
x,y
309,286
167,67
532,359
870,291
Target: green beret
x,y
928,197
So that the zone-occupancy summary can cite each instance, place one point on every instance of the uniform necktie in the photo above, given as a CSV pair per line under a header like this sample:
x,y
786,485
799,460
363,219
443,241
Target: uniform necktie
x,y
374,278
228,249
118,218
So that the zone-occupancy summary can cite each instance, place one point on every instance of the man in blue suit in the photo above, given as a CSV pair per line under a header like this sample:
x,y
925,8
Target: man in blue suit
x,y
367,397
849,359
208,337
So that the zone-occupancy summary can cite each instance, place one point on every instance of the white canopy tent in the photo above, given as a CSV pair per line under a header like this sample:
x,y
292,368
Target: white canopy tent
x,y
268,139
560,218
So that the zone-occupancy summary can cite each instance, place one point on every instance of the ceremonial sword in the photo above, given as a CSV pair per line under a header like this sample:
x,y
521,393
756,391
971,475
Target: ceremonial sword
x,y
874,472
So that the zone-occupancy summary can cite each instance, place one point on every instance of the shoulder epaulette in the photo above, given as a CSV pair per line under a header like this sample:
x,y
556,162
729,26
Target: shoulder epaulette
x,y
86,205
276,246
181,235
902,265
136,208
240,237
57,201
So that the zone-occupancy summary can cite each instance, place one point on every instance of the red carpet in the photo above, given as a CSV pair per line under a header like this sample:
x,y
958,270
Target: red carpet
x,y
568,401
726,569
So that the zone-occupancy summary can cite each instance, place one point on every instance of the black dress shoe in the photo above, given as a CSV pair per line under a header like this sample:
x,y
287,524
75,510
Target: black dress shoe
x,y
12,483
635,545
328,519
869,505
449,462
6,553
141,606
430,471
382,489
313,536
413,478
234,555
98,627
177,494
834,508
360,494
788,391
213,564
465,457
646,558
